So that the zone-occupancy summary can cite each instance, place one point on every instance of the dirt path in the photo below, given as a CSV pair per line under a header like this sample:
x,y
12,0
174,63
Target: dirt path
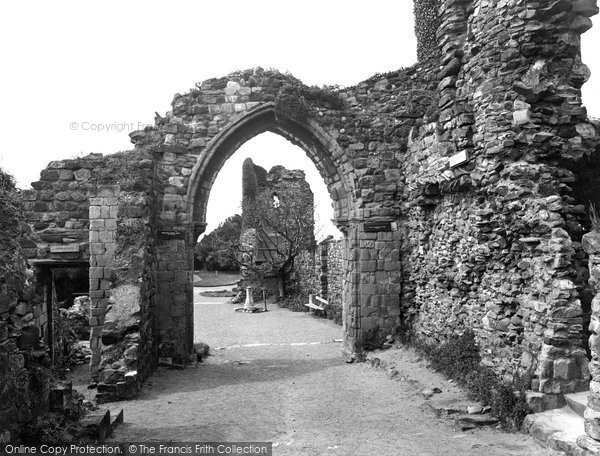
x,y
291,388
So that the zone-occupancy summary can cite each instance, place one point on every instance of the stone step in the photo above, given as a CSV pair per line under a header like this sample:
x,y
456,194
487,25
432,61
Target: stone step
x,y
557,430
467,422
540,402
577,402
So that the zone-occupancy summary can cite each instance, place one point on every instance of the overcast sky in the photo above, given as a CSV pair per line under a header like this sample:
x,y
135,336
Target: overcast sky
x,y
70,67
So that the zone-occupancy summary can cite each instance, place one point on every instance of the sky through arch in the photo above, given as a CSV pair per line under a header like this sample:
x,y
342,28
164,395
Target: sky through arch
x,y
267,150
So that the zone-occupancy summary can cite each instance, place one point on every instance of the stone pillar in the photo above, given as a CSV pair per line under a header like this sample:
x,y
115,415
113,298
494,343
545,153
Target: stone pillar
x,y
372,288
102,235
591,244
350,305
175,294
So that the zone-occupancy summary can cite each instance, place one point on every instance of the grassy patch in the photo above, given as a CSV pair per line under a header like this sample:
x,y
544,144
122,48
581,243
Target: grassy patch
x,y
373,339
132,170
219,294
215,278
459,360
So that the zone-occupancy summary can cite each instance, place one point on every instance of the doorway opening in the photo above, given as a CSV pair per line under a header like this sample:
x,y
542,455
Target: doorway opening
x,y
269,216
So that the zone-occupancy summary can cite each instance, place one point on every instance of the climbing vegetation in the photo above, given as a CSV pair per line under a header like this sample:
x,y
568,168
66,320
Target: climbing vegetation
x,y
11,216
132,170
295,99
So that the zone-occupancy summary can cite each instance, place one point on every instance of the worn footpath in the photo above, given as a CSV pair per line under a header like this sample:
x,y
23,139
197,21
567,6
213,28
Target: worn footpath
x,y
277,377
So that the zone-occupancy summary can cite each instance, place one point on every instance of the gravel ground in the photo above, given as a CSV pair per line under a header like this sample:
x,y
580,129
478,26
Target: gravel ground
x,y
277,377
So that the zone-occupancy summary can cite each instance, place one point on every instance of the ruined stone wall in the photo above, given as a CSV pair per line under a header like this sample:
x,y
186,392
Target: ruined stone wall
x,y
254,181
280,188
57,209
356,137
330,271
456,183
492,228
113,233
321,272
335,277
303,280
591,244
175,241
102,243
126,351
24,358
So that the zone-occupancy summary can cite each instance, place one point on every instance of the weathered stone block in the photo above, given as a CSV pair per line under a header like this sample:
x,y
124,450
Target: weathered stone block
x,y
65,174
566,369
96,224
124,315
107,192
113,375
82,174
49,175
107,236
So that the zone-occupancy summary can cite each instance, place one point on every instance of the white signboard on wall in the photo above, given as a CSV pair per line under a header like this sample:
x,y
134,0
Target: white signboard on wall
x,y
458,159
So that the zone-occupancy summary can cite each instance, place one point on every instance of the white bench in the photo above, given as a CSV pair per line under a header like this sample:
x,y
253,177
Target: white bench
x,y
312,305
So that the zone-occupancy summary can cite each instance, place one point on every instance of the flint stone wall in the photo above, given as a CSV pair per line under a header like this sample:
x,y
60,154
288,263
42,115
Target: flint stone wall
x,y
328,277
303,279
321,272
335,277
492,226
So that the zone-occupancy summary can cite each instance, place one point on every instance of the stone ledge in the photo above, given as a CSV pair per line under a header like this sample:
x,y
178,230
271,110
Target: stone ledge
x,y
558,430
578,401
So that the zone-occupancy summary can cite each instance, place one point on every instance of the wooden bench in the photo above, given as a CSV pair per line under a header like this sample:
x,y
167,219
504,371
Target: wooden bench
x,y
313,306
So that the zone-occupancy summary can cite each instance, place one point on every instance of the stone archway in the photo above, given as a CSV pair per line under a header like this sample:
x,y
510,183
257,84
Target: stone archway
x,y
207,125
153,200
307,134
319,146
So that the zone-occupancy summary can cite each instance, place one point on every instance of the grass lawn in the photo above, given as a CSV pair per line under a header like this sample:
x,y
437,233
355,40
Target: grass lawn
x,y
215,278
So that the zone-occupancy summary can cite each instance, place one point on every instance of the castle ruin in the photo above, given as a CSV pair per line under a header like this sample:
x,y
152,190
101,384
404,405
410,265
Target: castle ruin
x,y
462,186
